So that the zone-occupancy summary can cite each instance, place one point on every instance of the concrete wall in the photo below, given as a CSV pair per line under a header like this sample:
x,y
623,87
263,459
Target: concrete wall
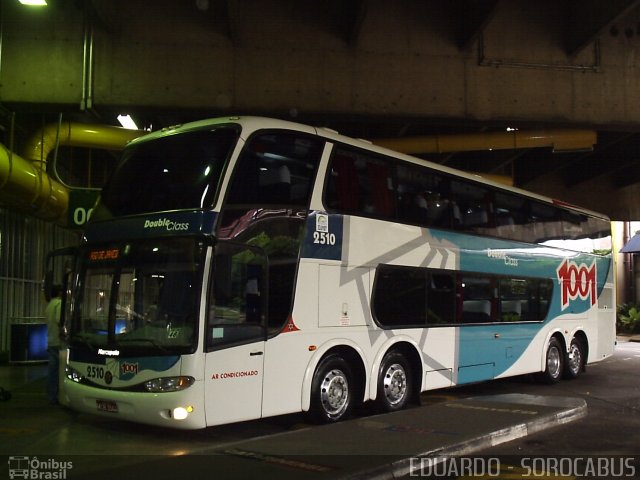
x,y
285,54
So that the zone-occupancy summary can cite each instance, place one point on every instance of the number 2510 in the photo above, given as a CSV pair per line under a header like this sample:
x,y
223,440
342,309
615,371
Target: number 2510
x,y
324,238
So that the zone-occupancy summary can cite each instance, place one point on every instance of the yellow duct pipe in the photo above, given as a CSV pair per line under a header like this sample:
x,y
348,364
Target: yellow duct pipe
x,y
559,140
24,186
24,183
75,134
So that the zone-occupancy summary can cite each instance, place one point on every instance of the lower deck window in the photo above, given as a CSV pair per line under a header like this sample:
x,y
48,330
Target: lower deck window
x,y
417,297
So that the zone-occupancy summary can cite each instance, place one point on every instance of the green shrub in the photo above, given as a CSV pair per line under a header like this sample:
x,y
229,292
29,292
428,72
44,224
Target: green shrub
x,y
629,318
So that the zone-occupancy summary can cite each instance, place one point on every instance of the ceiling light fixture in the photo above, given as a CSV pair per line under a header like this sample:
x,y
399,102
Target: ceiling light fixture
x,y
127,122
34,3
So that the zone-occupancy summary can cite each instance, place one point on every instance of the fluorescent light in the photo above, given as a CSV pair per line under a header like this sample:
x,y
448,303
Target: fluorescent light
x,y
127,122
34,3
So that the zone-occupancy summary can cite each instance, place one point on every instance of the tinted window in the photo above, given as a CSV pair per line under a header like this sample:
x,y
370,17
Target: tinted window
x,y
418,297
170,173
142,296
367,184
266,206
410,296
238,297
361,183
275,169
400,296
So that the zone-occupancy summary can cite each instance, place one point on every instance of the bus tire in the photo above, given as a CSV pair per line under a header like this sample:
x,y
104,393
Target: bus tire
x,y
332,392
394,383
574,359
554,363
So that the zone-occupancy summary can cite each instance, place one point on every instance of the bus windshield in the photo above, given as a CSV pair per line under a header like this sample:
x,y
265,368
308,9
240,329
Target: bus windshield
x,y
139,297
169,173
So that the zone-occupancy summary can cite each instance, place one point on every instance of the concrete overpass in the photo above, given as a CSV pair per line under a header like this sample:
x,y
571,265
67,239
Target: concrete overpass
x,y
367,68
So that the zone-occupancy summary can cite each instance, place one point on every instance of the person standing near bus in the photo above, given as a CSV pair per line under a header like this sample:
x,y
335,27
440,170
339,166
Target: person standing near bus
x,y
52,316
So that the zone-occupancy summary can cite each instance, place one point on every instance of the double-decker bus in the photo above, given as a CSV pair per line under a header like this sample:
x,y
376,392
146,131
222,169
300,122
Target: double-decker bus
x,y
244,267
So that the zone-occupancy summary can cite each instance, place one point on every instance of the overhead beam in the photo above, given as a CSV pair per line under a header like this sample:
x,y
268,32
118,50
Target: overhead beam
x,y
605,159
356,14
104,13
589,19
230,9
625,177
537,163
473,17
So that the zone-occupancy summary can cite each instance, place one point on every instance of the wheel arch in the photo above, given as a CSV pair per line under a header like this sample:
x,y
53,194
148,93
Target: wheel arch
x,y
557,333
409,349
581,335
352,354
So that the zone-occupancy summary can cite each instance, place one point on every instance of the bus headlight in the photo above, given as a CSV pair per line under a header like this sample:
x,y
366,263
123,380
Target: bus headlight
x,y
73,374
168,384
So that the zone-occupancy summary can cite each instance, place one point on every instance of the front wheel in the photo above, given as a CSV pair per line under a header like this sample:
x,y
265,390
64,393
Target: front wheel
x,y
554,363
332,394
575,359
394,383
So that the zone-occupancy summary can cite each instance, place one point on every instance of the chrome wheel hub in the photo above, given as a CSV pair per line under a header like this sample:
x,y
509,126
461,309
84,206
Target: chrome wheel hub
x,y
575,359
395,384
554,362
334,393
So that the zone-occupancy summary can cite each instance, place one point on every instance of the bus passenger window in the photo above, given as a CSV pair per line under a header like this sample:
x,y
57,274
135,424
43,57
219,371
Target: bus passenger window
x,y
478,299
441,298
361,184
399,298
237,311
275,168
343,191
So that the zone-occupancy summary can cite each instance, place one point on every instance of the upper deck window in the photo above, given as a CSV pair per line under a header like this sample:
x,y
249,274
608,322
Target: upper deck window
x,y
276,168
273,177
368,184
175,172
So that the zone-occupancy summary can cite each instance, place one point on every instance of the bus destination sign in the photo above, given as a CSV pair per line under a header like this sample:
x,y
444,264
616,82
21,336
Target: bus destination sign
x,y
104,254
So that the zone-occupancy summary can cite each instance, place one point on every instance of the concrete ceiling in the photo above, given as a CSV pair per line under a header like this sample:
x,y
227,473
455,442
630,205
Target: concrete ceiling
x,y
366,68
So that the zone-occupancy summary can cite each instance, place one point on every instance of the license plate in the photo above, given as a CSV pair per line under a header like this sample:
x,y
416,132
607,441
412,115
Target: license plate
x,y
107,406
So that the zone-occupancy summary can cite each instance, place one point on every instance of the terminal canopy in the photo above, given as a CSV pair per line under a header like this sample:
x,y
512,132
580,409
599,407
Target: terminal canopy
x,y
633,245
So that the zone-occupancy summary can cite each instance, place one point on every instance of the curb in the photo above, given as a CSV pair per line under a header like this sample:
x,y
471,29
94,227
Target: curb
x,y
404,467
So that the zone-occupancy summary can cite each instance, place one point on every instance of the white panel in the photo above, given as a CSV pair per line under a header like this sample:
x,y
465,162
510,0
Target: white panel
x,y
371,242
606,333
345,296
438,378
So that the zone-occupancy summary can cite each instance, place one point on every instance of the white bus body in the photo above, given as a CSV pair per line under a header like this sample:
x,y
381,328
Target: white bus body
x,y
308,271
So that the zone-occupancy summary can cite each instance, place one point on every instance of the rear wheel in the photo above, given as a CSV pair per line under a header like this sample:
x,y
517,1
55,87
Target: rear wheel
x,y
332,394
394,383
575,359
554,364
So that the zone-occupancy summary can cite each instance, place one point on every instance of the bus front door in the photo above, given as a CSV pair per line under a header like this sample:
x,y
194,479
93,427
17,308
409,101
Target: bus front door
x,y
236,334
234,382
